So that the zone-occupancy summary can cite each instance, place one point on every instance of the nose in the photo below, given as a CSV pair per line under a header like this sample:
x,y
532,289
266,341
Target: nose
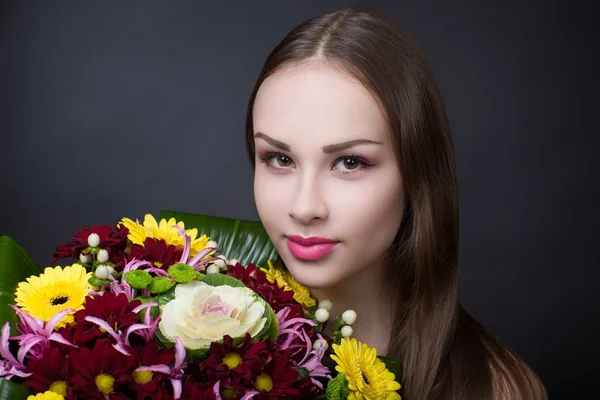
x,y
308,205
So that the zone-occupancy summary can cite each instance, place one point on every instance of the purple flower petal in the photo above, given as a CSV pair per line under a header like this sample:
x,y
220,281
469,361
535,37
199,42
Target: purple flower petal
x,y
162,368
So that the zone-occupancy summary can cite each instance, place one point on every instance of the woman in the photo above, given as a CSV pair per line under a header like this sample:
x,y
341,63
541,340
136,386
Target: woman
x,y
355,183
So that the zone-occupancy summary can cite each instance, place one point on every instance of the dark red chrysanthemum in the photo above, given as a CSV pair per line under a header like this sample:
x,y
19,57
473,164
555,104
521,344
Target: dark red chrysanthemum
x,y
159,387
115,309
157,252
53,367
113,241
281,378
198,391
277,297
220,365
102,372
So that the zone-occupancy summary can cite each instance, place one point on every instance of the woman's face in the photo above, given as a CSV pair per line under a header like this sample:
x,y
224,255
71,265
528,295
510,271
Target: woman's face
x,y
327,186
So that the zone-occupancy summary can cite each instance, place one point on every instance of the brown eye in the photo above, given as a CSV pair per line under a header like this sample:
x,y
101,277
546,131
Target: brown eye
x,y
350,163
284,161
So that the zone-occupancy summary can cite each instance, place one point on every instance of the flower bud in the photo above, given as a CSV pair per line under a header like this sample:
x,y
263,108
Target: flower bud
x,y
102,272
93,240
102,256
85,258
326,304
220,264
234,261
318,343
111,270
347,331
349,317
322,315
211,243
212,269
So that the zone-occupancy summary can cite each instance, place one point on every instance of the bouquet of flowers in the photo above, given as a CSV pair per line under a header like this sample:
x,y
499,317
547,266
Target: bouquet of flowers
x,y
153,310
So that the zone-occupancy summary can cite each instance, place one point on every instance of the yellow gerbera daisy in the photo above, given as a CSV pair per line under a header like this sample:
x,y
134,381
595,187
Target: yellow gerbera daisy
x,y
48,395
368,378
164,230
285,280
54,290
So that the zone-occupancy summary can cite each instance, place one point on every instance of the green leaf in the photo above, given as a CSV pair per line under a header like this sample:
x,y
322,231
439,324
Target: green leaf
x,y
222,280
393,365
15,266
166,297
13,391
246,241
337,388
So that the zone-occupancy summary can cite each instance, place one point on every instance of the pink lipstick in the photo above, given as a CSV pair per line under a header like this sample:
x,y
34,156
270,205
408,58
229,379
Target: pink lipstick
x,y
311,248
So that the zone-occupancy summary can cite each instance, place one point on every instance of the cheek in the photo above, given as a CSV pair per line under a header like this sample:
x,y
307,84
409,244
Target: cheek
x,y
372,213
270,198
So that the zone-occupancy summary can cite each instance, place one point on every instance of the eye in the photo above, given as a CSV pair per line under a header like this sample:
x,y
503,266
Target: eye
x,y
281,160
276,161
347,164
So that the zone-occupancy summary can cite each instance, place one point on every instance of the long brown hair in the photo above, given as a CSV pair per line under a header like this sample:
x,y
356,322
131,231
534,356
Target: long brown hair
x,y
445,354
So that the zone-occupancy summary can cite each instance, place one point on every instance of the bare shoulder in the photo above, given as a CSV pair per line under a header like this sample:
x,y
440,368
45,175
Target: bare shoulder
x,y
512,378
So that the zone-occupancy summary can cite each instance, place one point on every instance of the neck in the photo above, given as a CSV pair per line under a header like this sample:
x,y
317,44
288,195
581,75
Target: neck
x,y
363,293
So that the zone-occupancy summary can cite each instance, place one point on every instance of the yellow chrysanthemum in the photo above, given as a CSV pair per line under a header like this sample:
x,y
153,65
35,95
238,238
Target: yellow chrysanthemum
x,y
368,378
285,280
54,290
164,230
46,396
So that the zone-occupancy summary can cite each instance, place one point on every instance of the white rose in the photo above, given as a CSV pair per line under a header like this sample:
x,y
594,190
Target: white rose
x,y
200,314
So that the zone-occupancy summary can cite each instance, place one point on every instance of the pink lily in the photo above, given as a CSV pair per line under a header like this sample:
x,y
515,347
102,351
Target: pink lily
x,y
196,262
312,360
35,334
10,366
152,324
122,340
175,373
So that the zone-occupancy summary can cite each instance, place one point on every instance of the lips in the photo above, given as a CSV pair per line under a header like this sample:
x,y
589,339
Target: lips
x,y
311,248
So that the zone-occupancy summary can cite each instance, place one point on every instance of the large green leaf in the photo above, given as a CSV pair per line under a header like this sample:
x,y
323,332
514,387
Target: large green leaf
x,y
13,391
246,241
15,266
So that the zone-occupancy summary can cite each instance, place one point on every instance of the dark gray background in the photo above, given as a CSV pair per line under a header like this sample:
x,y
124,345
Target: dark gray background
x,y
112,109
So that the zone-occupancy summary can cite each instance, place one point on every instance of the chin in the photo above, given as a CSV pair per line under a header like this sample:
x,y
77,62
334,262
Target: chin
x,y
311,275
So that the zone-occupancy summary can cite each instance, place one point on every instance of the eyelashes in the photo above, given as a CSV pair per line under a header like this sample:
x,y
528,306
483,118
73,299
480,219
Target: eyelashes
x,y
353,163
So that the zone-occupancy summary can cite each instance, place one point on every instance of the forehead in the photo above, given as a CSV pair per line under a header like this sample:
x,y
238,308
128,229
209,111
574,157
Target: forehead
x,y
318,103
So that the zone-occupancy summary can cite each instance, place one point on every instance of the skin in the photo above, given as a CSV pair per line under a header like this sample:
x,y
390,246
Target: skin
x,y
353,195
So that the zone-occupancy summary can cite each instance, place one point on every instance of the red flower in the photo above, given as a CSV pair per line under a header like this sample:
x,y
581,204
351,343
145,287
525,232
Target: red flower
x,y
116,310
277,379
114,242
102,373
200,391
231,363
157,252
53,367
159,386
277,297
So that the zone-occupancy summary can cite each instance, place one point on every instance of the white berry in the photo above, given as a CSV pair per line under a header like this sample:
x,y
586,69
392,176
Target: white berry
x,y
211,243
326,304
111,270
318,343
346,331
85,258
322,315
349,317
102,256
93,240
212,269
102,272
234,261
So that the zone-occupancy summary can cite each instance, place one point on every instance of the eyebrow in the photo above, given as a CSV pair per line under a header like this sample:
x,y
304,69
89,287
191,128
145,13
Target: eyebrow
x,y
332,148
